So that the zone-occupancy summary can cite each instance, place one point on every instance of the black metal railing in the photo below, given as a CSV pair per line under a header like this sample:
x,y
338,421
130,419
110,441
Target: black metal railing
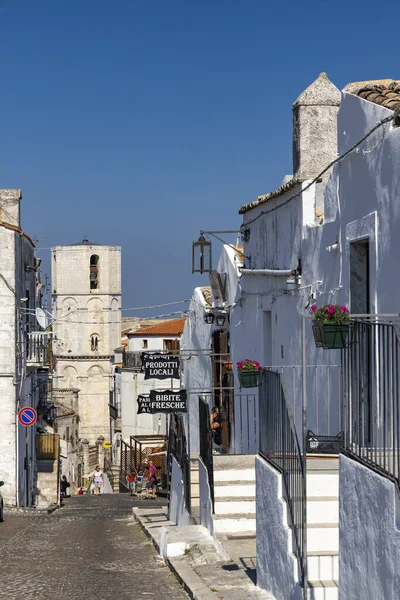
x,y
178,448
206,444
279,445
371,396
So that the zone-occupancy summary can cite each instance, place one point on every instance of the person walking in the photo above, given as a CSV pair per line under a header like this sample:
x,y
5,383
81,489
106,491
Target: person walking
x,y
64,485
98,480
152,480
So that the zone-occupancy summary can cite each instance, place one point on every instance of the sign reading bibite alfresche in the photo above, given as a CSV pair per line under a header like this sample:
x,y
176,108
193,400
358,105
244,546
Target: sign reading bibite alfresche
x,y
162,401
160,366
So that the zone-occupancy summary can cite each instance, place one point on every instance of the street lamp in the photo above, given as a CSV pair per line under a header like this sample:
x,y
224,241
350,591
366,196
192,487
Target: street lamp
x,y
220,319
201,256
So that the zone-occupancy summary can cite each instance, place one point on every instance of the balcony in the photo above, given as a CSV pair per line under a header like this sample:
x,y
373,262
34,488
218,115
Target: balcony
x,y
37,353
132,360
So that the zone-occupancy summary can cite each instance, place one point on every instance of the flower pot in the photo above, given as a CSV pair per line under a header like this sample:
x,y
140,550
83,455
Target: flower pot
x,y
330,335
249,378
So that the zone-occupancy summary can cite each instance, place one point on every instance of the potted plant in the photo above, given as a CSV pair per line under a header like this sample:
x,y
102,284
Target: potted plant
x,y
249,373
330,326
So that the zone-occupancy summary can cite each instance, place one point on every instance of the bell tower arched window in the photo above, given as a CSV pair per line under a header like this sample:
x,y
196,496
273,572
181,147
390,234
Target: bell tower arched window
x,y
94,342
94,272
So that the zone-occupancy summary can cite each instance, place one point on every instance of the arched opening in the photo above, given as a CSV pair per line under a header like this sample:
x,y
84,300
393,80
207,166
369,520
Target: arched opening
x,y
94,342
94,272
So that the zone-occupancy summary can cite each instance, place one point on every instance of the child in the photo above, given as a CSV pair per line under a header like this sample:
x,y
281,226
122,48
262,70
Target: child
x,y
131,479
139,483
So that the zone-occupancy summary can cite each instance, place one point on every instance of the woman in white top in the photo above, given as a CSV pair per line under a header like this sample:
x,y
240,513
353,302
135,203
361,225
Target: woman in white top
x,y
98,480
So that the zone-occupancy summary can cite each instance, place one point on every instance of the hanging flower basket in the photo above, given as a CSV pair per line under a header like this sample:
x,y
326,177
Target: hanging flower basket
x,y
330,326
249,373
330,335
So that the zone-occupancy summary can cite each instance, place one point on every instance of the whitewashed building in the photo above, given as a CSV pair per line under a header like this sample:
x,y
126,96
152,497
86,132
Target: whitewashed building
x,y
22,353
86,292
131,382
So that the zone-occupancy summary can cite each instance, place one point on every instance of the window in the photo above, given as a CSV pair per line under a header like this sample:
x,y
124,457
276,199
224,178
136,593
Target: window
x,y
145,344
94,342
171,346
94,272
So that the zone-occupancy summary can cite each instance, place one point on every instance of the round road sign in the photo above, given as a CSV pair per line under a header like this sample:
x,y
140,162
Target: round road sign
x,y
27,416
107,445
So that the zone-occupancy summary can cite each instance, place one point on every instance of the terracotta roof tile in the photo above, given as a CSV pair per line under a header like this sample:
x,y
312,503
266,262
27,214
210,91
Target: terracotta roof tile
x,y
285,187
172,327
385,92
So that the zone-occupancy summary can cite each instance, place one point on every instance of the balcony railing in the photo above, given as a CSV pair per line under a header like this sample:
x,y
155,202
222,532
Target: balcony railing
x,y
36,349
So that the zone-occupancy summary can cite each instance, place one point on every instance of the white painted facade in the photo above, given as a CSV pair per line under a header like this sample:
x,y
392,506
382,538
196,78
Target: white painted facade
x,y
87,322
133,384
19,292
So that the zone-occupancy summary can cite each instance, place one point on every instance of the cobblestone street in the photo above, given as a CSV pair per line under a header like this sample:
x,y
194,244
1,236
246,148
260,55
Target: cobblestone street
x,y
89,549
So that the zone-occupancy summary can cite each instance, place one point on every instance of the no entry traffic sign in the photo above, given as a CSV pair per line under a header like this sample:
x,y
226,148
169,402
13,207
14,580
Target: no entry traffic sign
x,y
27,416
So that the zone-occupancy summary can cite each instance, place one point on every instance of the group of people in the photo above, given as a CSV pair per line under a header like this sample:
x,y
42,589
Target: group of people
x,y
135,479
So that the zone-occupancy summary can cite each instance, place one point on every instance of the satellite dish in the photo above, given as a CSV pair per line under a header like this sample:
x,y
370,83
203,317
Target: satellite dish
x,y
41,318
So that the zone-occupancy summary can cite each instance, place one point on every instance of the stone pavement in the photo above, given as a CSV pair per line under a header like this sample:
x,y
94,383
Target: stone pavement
x,y
91,549
200,561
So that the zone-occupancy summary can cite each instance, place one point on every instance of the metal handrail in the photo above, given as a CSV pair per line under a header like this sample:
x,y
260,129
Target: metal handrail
x,y
178,448
279,446
371,396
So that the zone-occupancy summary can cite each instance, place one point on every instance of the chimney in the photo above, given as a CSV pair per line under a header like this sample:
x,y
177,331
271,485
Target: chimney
x,y
315,128
9,206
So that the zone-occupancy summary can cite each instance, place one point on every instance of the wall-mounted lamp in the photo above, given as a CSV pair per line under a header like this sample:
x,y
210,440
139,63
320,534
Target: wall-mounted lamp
x,y
209,318
216,315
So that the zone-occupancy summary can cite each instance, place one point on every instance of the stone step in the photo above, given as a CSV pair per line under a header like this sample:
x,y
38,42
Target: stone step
x,y
319,511
323,590
227,489
323,567
322,484
236,506
235,475
322,537
229,462
234,524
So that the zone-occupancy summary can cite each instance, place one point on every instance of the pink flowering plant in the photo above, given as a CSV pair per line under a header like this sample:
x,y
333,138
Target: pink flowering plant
x,y
248,365
331,313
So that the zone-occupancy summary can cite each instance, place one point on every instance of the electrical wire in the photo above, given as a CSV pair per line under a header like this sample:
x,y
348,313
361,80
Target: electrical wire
x,y
331,164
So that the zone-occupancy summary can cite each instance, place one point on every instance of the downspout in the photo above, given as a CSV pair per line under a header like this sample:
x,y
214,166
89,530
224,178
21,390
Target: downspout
x,y
273,272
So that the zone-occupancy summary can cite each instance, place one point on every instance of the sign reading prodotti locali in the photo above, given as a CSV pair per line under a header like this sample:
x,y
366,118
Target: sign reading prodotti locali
x,y
160,366
162,401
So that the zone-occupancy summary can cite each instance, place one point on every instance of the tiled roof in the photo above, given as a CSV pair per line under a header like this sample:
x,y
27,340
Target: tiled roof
x,y
385,92
285,187
171,327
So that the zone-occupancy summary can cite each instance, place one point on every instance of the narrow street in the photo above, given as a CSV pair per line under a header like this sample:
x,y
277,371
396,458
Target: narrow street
x,y
89,549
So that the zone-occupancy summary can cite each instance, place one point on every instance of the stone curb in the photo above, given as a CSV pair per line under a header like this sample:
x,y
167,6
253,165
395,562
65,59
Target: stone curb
x,y
22,510
187,577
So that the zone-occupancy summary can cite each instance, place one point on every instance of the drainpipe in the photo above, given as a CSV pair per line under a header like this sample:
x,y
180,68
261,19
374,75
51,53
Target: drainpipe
x,y
273,272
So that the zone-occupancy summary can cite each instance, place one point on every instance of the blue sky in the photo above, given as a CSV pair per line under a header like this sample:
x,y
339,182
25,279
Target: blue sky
x,y
140,123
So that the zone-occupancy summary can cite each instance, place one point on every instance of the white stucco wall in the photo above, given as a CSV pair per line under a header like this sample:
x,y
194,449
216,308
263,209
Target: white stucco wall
x,y
196,376
17,378
369,521
177,512
154,343
132,385
276,565
206,518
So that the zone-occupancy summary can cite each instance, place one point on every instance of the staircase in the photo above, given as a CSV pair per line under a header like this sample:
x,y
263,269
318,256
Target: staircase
x,y
234,494
114,480
323,527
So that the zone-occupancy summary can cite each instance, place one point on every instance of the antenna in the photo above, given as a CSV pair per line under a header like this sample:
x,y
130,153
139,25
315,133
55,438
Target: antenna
x,y
42,318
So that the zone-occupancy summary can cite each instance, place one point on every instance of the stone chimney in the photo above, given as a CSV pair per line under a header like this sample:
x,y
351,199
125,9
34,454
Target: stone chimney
x,y
9,206
315,128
